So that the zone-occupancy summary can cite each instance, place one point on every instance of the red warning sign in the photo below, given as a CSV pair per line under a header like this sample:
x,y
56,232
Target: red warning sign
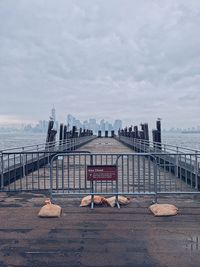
x,y
102,173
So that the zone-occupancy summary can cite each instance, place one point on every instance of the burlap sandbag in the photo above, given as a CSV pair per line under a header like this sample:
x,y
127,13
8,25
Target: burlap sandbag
x,y
86,201
121,199
49,210
163,209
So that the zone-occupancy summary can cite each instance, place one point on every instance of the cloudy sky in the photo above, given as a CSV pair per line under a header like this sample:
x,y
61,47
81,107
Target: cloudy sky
x,y
128,59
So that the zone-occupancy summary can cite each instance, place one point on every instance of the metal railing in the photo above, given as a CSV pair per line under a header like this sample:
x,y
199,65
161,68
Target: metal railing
x,y
138,174
187,158
66,172
16,163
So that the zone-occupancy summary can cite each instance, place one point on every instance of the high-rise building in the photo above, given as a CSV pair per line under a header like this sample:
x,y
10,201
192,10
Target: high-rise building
x,y
117,125
53,113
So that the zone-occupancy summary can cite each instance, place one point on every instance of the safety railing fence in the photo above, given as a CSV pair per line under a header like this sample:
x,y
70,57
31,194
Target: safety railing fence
x,y
138,174
66,173
187,158
21,162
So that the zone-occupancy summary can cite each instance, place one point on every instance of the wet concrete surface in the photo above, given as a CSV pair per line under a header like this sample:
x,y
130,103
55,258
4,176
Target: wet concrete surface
x,y
105,236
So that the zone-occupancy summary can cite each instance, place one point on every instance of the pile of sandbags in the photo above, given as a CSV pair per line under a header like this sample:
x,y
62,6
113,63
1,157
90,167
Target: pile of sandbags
x,y
86,201
49,210
163,209
99,200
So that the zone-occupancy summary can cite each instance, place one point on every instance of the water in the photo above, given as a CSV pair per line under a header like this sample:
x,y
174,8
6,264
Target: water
x,y
8,140
191,140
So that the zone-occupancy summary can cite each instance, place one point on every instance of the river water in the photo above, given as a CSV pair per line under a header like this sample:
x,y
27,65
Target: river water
x,y
7,140
19,139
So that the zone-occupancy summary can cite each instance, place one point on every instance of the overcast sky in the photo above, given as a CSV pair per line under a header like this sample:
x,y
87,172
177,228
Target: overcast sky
x,y
127,59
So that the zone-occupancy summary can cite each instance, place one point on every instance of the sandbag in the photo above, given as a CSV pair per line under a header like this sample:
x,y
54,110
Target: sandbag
x,y
163,209
49,210
121,199
86,201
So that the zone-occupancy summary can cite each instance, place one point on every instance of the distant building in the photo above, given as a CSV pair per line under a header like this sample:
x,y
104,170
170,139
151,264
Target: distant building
x,y
53,113
117,125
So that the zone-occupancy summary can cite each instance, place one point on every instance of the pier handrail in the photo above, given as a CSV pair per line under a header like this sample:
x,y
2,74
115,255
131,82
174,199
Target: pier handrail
x,y
44,146
165,146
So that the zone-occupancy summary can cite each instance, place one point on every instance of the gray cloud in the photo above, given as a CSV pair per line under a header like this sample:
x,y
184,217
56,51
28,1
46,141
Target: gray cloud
x,y
134,60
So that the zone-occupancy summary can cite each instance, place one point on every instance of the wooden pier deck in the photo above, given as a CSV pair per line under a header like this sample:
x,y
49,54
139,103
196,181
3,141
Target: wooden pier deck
x,y
103,237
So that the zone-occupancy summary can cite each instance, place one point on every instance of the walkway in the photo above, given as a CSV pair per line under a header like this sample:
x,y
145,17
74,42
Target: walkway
x,y
135,173
103,237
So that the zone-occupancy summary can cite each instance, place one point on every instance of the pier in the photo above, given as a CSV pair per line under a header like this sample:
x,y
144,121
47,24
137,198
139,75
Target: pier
x,y
143,167
146,171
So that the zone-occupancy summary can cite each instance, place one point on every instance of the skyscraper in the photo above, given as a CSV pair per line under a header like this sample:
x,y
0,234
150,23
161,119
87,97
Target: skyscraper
x,y
53,113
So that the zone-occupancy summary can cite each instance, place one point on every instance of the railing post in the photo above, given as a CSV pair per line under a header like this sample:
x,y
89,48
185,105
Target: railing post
x,y
51,178
92,185
196,170
177,150
155,179
2,172
23,165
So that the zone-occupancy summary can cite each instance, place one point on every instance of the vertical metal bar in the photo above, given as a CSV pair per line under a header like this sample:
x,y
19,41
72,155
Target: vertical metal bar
x,y
32,171
177,151
68,172
112,181
133,173
21,172
149,174
62,171
79,172
92,185
128,173
51,178
15,172
95,160
155,179
117,186
26,171
144,173
186,178
196,170
8,159
122,157
2,172
138,173
74,172
38,166
44,181
164,169
85,168
57,174
190,171
170,176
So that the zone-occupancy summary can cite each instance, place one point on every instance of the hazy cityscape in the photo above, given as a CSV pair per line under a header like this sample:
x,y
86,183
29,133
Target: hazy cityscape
x,y
91,123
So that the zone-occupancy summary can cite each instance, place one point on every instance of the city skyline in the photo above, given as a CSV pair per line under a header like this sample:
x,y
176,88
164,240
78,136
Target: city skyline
x,y
90,123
